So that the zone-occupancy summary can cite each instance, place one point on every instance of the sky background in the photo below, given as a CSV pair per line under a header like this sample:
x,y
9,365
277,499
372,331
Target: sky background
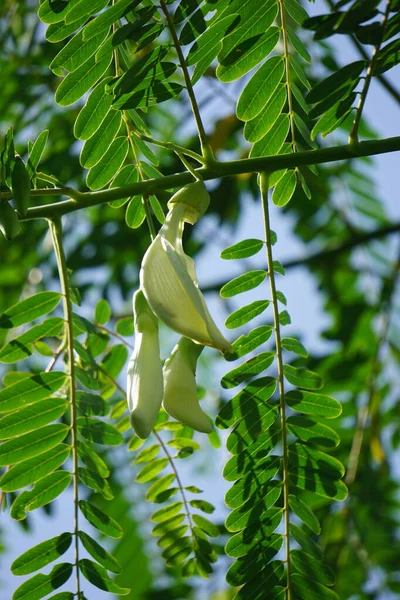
x,y
304,306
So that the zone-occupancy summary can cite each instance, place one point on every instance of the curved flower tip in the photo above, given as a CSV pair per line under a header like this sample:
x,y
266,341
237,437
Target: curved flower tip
x,y
180,392
145,377
168,280
195,198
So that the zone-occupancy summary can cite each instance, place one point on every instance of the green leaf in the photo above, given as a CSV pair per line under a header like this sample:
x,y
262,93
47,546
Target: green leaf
x,y
304,512
45,491
388,57
95,482
306,542
308,430
115,360
258,127
272,142
307,589
94,112
101,174
304,455
243,283
256,460
247,343
41,555
242,249
310,403
166,512
135,213
284,189
76,52
251,399
207,46
312,569
241,543
91,404
41,585
316,482
206,525
257,561
100,520
159,486
302,377
31,470
32,444
92,460
36,151
247,313
32,417
81,9
77,83
157,209
99,553
97,575
252,367
98,431
151,470
203,505
248,54
30,390
254,508
30,309
340,78
97,145
260,88
284,318
105,19
293,345
125,326
147,454
21,346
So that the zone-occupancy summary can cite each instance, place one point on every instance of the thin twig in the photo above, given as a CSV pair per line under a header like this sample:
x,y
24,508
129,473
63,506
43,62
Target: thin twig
x,y
282,403
178,479
205,148
353,137
56,232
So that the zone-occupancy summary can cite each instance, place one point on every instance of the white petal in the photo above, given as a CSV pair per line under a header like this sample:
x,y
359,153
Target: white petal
x,y
145,383
169,282
180,393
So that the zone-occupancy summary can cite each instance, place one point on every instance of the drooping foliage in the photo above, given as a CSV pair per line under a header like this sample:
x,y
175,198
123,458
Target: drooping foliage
x,y
127,101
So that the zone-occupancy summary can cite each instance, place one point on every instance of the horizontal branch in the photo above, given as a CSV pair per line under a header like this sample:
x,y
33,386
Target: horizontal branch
x,y
327,254
219,169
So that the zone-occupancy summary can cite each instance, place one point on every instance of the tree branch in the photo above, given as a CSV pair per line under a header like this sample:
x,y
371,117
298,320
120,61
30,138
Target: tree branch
x,y
219,169
328,253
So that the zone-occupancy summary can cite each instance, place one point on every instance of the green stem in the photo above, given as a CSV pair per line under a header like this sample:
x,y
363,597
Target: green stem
x,y
56,233
205,148
219,169
170,146
178,480
285,466
353,137
381,78
287,70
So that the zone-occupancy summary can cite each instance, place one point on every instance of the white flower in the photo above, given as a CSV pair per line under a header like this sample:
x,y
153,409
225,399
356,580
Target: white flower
x,y
145,377
168,278
180,392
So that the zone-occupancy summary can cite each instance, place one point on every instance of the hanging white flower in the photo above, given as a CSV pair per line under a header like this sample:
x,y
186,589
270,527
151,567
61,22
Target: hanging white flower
x,y
168,278
145,377
180,392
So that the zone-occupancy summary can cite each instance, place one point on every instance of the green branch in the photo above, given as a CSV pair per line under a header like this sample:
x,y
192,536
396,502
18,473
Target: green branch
x,y
282,404
56,233
219,169
353,137
205,148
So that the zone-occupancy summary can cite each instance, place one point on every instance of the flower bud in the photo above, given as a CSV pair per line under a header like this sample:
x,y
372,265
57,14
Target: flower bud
x,y
145,377
180,392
